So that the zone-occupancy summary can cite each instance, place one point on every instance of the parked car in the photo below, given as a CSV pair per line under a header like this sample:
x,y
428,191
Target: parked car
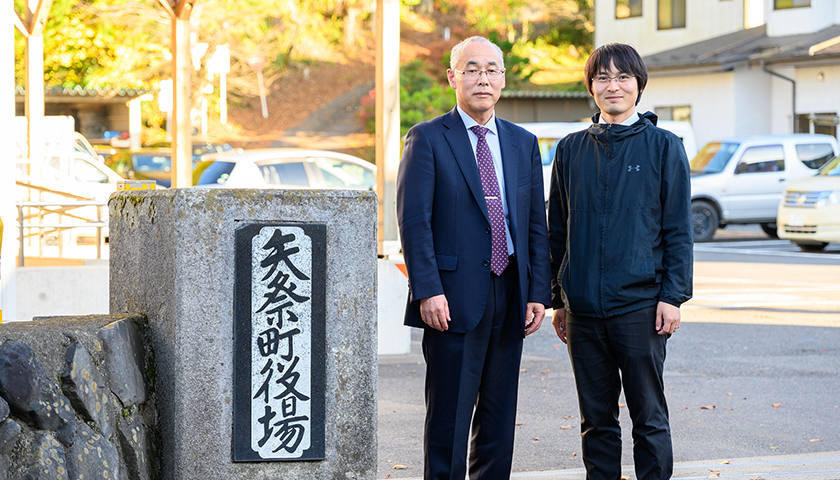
x,y
285,168
200,147
550,133
145,164
741,180
82,176
809,213
155,163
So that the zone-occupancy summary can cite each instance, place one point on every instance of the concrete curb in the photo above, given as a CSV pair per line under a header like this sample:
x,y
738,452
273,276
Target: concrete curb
x,y
815,466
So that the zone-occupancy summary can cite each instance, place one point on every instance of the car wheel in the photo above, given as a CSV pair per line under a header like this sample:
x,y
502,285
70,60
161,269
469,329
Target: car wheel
x,y
811,247
705,219
770,230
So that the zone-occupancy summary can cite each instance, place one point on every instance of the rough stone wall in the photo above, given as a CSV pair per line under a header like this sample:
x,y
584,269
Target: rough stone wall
x,y
74,399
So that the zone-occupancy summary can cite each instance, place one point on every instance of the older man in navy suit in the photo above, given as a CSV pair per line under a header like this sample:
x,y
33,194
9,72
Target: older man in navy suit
x,y
472,221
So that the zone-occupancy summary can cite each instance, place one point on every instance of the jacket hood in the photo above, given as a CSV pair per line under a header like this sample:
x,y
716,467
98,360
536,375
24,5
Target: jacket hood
x,y
601,131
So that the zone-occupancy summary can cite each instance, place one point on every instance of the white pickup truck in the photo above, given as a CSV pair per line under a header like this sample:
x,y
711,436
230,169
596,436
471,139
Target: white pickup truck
x,y
65,162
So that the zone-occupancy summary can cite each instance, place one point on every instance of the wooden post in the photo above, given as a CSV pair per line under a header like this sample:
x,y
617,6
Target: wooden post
x,y
387,121
179,12
8,215
37,12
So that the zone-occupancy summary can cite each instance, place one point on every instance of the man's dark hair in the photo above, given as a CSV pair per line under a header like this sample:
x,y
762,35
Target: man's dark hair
x,y
625,59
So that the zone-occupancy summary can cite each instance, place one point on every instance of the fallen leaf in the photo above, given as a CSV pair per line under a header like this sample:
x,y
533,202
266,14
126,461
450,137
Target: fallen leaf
x,y
622,405
399,467
518,424
777,405
574,454
714,475
566,427
725,462
730,409
708,407
729,393
813,440
535,440
523,370
568,417
714,470
547,370
774,448
625,477
684,408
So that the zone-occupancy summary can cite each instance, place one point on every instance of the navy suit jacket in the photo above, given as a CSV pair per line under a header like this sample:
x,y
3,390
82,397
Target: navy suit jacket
x,y
445,228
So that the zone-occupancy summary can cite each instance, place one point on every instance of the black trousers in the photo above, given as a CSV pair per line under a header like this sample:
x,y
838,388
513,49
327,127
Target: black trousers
x,y
606,354
472,378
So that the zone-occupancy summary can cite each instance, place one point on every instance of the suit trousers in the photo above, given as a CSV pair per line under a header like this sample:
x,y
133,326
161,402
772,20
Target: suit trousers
x,y
472,378
606,354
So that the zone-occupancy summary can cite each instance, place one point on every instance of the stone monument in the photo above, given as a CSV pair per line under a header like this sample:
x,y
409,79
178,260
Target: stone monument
x,y
262,315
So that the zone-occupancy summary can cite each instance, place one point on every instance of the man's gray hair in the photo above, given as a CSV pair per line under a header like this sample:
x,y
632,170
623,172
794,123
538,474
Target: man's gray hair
x,y
455,56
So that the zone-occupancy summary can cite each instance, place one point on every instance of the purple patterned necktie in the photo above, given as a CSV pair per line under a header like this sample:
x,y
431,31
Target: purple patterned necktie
x,y
490,185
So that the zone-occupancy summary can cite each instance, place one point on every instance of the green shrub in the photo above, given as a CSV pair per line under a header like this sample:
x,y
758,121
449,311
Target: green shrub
x,y
422,97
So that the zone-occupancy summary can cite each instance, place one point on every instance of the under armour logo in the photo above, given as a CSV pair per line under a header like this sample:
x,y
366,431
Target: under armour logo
x,y
631,168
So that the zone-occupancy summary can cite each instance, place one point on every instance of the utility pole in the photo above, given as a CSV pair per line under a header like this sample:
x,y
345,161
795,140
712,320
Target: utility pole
x,y
179,12
387,121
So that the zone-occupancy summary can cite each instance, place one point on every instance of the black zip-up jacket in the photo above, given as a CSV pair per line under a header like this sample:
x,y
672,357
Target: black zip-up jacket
x,y
619,220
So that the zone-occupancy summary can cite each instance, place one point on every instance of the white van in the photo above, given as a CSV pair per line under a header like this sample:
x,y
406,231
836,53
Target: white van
x,y
549,133
741,179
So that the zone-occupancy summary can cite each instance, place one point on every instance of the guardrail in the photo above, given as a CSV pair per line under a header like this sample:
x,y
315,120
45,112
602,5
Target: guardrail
x,y
62,209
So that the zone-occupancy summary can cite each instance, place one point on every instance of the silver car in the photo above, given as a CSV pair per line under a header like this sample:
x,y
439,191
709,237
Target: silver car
x,y
285,168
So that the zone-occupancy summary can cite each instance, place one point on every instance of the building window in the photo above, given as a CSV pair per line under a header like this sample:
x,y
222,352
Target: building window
x,y
782,4
680,113
628,8
825,123
671,14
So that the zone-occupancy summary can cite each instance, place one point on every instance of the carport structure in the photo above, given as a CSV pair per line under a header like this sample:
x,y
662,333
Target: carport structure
x,y
31,25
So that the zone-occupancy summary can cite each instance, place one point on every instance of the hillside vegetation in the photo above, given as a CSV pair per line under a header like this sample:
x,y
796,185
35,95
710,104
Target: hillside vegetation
x,y
312,51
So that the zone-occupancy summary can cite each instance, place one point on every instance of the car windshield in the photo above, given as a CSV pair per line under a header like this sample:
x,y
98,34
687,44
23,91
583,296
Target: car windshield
x,y
547,148
212,172
338,174
204,149
713,157
289,172
832,168
152,163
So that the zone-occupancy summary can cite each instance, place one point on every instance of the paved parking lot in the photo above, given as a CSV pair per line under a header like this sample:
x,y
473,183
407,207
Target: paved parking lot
x,y
760,345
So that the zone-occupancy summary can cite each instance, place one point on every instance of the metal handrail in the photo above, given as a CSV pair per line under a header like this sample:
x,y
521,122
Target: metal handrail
x,y
98,223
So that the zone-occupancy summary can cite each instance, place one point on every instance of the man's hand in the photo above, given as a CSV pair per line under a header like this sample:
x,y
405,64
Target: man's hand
x,y
667,318
435,312
534,314
559,322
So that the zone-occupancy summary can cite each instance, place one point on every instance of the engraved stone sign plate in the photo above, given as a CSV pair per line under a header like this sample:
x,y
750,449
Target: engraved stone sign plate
x,y
279,342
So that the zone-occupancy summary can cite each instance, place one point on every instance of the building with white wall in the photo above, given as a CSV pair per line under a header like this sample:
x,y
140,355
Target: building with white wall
x,y
779,77
656,25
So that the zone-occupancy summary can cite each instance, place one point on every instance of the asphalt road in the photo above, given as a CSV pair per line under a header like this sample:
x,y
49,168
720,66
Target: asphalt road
x,y
752,377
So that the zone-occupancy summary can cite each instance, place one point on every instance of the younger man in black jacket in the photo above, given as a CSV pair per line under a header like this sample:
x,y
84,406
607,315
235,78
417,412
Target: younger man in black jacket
x,y
620,231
